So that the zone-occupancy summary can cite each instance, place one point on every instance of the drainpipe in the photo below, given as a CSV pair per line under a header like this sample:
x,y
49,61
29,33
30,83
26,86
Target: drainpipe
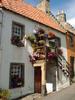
x,y
1,23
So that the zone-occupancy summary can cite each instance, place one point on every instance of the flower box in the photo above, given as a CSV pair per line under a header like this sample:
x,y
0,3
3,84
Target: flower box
x,y
15,40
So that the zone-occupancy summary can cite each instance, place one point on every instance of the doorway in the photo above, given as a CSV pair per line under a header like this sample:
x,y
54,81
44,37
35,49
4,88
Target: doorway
x,y
72,66
37,79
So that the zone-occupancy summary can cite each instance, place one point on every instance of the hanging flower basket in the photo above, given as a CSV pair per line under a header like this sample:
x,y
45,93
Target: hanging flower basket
x,y
46,35
41,42
51,35
51,55
59,51
41,57
40,30
31,39
32,59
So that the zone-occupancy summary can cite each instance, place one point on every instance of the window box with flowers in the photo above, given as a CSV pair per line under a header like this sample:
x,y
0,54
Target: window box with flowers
x,y
15,40
4,94
17,34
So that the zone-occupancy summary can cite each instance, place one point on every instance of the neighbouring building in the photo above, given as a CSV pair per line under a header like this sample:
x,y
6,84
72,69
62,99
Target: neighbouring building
x,y
70,40
33,50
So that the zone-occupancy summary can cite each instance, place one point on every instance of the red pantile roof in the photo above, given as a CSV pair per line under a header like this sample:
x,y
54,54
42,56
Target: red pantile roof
x,y
30,12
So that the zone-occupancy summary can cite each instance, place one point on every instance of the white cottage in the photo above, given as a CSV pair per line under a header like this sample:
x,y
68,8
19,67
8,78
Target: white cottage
x,y
17,20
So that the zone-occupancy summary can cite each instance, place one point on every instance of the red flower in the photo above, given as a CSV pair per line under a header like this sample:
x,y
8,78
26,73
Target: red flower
x,y
51,55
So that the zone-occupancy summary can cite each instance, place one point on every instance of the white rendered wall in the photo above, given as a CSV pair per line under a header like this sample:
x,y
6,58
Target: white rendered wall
x,y
11,53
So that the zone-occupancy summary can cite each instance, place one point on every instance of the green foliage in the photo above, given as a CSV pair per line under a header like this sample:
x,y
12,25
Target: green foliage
x,y
42,42
31,38
4,94
52,44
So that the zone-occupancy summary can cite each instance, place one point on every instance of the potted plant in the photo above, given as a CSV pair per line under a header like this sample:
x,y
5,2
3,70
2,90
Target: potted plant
x,y
51,55
41,42
59,51
41,31
31,39
51,35
4,94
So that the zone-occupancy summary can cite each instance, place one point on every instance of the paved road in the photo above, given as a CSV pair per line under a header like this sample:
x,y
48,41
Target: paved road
x,y
65,94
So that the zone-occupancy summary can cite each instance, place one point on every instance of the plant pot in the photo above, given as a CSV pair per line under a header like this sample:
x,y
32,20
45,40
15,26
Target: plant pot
x,y
42,42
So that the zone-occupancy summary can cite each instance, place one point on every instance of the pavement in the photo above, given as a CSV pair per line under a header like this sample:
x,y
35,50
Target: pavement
x,y
35,96
64,94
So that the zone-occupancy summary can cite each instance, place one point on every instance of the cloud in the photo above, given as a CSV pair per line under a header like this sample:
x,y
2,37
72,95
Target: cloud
x,y
72,21
70,10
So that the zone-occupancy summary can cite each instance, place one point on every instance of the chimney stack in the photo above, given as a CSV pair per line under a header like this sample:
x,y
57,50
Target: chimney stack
x,y
61,16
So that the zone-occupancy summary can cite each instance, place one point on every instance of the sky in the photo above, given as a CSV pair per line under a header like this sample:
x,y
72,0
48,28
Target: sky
x,y
58,5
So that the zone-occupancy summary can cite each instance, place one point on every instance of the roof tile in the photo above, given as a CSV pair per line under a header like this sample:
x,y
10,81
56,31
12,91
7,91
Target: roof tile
x,y
31,12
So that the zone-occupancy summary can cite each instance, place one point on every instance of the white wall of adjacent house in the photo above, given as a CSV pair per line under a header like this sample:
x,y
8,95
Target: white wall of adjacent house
x,y
11,53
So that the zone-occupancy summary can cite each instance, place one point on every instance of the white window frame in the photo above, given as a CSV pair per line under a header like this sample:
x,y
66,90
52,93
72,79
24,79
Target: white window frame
x,y
17,30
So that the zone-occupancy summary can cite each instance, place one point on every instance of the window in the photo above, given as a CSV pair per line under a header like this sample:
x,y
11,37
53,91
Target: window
x,y
71,40
17,34
18,30
72,67
16,75
58,42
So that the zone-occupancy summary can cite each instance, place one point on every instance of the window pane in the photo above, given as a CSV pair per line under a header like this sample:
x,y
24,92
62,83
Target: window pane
x,y
71,40
16,75
17,29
